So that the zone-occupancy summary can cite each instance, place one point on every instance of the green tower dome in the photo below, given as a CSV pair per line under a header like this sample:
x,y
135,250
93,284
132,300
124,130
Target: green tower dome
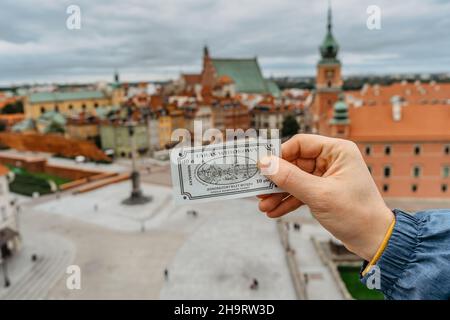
x,y
340,112
329,48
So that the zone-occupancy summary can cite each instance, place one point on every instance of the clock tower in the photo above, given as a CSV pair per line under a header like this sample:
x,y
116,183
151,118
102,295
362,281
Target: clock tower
x,y
328,81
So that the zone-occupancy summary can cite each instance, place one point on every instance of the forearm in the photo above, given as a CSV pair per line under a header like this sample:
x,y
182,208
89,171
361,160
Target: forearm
x,y
416,261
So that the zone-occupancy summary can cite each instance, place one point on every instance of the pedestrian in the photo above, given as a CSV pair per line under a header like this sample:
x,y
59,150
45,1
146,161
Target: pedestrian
x,y
306,277
166,274
255,284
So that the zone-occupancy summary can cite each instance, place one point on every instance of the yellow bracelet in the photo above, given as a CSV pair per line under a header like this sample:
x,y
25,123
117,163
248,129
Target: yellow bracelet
x,y
380,249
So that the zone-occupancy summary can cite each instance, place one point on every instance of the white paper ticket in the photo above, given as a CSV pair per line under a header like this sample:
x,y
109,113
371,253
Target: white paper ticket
x,y
221,171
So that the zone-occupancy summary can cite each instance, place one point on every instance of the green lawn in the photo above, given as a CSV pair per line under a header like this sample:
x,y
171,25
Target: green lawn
x,y
350,276
26,183
55,179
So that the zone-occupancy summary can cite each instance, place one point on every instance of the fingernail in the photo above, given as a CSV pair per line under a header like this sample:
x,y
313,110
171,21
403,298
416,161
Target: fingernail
x,y
264,162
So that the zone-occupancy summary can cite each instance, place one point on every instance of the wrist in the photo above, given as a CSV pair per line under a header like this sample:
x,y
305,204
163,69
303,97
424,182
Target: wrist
x,y
378,233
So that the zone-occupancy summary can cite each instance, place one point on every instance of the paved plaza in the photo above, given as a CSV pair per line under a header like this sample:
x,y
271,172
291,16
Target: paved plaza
x,y
123,250
215,254
231,247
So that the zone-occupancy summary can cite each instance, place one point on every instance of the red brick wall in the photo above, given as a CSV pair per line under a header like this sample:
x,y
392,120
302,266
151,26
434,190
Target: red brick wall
x,y
29,165
402,160
69,173
40,165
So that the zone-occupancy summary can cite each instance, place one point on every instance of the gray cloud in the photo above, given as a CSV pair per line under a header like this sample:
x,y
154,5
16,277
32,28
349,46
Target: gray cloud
x,y
159,38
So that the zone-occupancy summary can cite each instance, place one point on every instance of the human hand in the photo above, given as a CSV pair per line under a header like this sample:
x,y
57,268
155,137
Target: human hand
x,y
330,176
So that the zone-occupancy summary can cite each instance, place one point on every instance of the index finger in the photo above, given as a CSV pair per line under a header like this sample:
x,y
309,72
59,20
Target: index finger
x,y
307,146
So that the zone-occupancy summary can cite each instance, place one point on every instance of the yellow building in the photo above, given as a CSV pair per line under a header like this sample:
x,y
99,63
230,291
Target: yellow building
x,y
73,102
82,130
164,129
168,121
69,103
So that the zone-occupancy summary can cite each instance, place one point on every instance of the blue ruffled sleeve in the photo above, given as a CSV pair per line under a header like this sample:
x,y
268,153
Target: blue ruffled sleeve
x,y
416,262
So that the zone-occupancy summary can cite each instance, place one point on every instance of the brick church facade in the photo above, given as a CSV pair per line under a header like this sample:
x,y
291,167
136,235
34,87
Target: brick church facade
x,y
402,130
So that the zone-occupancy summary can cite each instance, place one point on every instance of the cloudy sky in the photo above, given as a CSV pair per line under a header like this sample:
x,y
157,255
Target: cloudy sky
x,y
157,39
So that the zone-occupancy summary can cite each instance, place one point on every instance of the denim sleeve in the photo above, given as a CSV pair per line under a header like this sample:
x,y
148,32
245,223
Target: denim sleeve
x,y
416,262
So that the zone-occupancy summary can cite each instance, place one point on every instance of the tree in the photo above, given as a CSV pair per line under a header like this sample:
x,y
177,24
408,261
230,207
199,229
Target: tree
x,y
290,126
11,108
55,127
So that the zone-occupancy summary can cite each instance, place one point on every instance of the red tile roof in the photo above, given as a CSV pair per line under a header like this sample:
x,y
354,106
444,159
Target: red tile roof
x,y
192,79
224,80
412,93
417,123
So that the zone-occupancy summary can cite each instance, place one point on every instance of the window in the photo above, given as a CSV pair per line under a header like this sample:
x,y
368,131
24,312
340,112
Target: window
x,y
387,171
42,110
447,149
445,171
368,150
444,187
387,150
330,74
416,171
95,105
70,107
414,188
56,108
385,187
83,106
417,150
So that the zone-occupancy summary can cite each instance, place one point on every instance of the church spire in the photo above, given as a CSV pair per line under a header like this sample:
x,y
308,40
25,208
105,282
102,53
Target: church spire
x,y
329,48
329,25
116,80
116,76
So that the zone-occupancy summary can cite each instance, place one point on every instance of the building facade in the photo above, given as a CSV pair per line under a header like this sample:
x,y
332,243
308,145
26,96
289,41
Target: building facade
x,y
407,150
230,114
226,77
73,102
402,129
328,82
9,233
117,137
82,127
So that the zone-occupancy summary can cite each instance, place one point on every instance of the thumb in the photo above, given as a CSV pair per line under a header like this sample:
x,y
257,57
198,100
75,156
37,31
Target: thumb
x,y
288,176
